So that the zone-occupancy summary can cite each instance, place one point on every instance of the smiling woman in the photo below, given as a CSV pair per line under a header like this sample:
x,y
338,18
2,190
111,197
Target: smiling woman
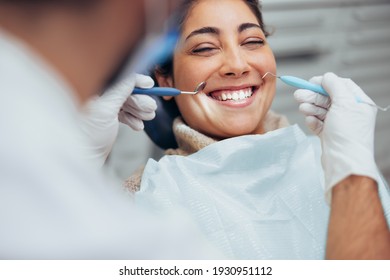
x,y
225,44
232,52
253,184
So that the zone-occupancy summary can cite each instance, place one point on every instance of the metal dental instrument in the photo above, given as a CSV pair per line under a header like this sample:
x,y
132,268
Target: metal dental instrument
x,y
167,91
384,109
303,84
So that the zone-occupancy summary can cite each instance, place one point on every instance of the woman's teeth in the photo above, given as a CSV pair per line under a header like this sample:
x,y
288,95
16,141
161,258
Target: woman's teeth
x,y
235,95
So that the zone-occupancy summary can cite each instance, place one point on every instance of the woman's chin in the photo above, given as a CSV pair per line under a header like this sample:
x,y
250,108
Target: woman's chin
x,y
235,131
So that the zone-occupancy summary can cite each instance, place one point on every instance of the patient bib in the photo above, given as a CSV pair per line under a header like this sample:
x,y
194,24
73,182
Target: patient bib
x,y
253,197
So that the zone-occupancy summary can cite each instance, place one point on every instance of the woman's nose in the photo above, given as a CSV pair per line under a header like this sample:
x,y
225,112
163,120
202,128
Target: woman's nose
x,y
234,64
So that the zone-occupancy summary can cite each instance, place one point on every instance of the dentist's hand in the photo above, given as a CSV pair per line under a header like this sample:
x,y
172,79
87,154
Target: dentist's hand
x,y
138,107
103,113
313,105
345,127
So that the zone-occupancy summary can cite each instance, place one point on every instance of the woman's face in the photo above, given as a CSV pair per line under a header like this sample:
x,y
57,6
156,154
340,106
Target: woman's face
x,y
222,44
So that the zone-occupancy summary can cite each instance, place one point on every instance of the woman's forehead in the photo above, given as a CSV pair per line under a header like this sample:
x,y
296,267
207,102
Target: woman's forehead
x,y
222,14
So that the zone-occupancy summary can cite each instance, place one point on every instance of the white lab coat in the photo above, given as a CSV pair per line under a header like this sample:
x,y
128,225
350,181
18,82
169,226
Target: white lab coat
x,y
53,203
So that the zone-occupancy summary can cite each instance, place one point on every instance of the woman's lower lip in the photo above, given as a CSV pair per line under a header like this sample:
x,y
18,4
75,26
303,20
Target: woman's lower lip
x,y
241,103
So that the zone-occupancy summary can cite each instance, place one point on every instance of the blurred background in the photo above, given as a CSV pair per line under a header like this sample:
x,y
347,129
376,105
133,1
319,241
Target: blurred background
x,y
310,37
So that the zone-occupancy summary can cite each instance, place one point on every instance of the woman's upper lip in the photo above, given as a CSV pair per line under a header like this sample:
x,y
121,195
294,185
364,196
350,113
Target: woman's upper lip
x,y
232,88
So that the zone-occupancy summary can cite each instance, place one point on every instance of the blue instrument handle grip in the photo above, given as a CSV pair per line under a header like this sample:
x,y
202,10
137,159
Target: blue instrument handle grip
x,y
157,91
301,83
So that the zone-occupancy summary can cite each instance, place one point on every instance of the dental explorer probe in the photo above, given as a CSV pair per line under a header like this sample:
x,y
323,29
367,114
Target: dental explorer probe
x,y
303,84
167,91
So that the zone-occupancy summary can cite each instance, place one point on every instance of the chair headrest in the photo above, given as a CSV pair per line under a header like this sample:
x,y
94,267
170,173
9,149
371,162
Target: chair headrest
x,y
160,129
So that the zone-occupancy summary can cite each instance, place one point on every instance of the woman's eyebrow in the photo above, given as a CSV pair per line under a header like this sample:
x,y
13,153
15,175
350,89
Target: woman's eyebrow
x,y
204,30
248,25
215,31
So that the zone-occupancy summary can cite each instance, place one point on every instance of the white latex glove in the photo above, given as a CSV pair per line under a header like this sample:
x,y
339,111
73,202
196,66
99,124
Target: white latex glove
x,y
345,127
102,115
313,105
138,107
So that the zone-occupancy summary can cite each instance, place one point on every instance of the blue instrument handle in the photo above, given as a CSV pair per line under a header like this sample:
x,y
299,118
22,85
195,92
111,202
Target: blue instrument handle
x,y
157,91
301,83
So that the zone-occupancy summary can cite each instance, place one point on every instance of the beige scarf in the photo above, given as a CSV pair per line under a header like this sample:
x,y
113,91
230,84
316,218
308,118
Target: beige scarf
x,y
190,141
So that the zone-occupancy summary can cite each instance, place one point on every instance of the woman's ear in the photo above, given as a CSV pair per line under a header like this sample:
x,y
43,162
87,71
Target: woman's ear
x,y
164,81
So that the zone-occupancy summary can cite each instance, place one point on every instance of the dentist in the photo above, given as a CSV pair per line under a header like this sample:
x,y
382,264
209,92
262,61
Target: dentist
x,y
55,132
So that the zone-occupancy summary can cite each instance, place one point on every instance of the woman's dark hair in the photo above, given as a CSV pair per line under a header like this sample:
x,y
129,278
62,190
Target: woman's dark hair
x,y
166,68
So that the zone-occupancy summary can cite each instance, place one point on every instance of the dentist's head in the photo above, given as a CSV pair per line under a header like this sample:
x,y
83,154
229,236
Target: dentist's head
x,y
87,41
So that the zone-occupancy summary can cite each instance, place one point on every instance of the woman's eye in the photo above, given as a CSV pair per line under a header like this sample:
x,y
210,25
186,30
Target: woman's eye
x,y
204,50
254,43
